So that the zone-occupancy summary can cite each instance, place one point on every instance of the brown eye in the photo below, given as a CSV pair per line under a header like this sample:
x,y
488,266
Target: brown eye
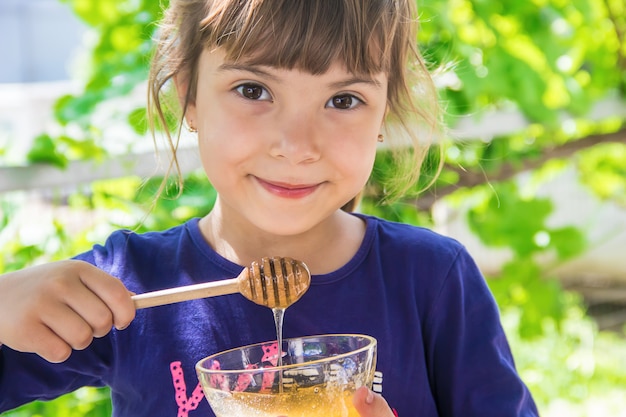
x,y
253,92
344,102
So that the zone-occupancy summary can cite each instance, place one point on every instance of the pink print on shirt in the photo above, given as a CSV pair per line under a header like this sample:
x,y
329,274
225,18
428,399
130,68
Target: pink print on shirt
x,y
185,405
270,354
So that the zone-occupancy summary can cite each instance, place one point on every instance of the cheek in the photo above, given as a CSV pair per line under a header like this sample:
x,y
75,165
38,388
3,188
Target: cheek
x,y
221,134
226,148
356,161
226,128
210,162
215,152
366,163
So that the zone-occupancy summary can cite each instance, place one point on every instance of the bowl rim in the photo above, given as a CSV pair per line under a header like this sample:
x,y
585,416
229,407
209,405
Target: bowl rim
x,y
372,343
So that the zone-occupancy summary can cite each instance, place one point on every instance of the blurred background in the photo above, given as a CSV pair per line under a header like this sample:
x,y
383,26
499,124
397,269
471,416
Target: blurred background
x,y
534,177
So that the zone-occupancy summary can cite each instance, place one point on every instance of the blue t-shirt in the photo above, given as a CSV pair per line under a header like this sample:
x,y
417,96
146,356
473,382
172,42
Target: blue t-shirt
x,y
441,348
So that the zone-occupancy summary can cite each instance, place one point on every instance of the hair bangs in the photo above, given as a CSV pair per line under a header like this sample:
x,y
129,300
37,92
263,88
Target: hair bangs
x,y
304,35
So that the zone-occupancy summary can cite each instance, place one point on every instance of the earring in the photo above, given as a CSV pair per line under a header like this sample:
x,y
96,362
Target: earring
x,y
189,126
381,138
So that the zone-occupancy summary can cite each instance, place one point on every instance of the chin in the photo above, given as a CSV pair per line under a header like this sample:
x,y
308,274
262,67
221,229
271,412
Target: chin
x,y
287,225
285,228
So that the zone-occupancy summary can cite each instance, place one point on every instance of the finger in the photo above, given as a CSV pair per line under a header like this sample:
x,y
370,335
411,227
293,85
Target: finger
x,y
53,348
92,309
68,325
370,404
45,343
111,291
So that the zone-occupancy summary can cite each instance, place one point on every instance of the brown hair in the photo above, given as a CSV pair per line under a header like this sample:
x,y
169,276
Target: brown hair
x,y
367,36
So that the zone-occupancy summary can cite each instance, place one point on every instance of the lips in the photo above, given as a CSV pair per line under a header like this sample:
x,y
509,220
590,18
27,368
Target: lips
x,y
288,190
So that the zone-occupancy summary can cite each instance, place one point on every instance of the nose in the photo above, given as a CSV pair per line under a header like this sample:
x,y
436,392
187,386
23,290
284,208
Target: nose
x,y
297,138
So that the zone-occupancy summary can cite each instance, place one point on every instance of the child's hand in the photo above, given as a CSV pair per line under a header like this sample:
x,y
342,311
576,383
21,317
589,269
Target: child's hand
x,y
369,404
54,308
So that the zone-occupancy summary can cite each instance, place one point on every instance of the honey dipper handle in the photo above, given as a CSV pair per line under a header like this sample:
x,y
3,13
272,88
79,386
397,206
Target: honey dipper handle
x,y
188,292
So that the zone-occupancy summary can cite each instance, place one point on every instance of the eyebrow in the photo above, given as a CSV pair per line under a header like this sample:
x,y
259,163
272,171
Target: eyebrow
x,y
262,73
248,68
356,80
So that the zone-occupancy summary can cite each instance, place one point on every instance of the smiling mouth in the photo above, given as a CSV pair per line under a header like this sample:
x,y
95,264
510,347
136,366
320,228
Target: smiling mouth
x,y
288,190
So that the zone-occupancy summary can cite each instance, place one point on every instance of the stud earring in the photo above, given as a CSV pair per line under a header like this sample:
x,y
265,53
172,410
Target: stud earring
x,y
381,138
190,128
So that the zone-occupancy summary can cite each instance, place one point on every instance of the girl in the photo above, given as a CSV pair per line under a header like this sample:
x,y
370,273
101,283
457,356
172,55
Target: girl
x,y
289,99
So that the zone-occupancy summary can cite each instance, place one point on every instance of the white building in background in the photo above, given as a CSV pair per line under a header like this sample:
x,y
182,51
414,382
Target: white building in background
x,y
39,39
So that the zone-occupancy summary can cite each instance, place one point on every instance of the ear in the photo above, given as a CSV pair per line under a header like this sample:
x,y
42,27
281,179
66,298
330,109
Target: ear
x,y
182,91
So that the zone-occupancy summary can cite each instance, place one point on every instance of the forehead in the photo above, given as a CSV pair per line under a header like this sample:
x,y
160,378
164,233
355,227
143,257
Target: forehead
x,y
216,62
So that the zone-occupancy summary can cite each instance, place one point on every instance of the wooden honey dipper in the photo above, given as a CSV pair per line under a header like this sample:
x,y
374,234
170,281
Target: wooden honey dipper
x,y
274,282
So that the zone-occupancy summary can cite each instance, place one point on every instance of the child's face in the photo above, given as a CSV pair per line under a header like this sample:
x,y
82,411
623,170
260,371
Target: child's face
x,y
285,149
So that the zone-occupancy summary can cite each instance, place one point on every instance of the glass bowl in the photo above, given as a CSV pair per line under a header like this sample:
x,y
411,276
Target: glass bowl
x,y
317,377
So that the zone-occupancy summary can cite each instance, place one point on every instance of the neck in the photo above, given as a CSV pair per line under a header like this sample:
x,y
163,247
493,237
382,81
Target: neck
x,y
324,248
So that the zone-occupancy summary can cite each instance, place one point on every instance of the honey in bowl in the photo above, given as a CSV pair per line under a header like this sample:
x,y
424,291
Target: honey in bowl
x,y
318,377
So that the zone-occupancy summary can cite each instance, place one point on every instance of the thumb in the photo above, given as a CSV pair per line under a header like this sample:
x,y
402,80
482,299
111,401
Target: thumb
x,y
370,404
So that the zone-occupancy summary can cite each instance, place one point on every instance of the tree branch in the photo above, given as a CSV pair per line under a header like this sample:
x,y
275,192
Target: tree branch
x,y
508,170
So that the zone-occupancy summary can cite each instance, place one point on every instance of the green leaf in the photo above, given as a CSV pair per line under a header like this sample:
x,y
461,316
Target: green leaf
x,y
44,150
82,148
508,220
568,242
137,119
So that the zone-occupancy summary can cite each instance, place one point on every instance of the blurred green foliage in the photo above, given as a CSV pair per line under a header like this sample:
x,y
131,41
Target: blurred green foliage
x,y
86,402
551,59
545,56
